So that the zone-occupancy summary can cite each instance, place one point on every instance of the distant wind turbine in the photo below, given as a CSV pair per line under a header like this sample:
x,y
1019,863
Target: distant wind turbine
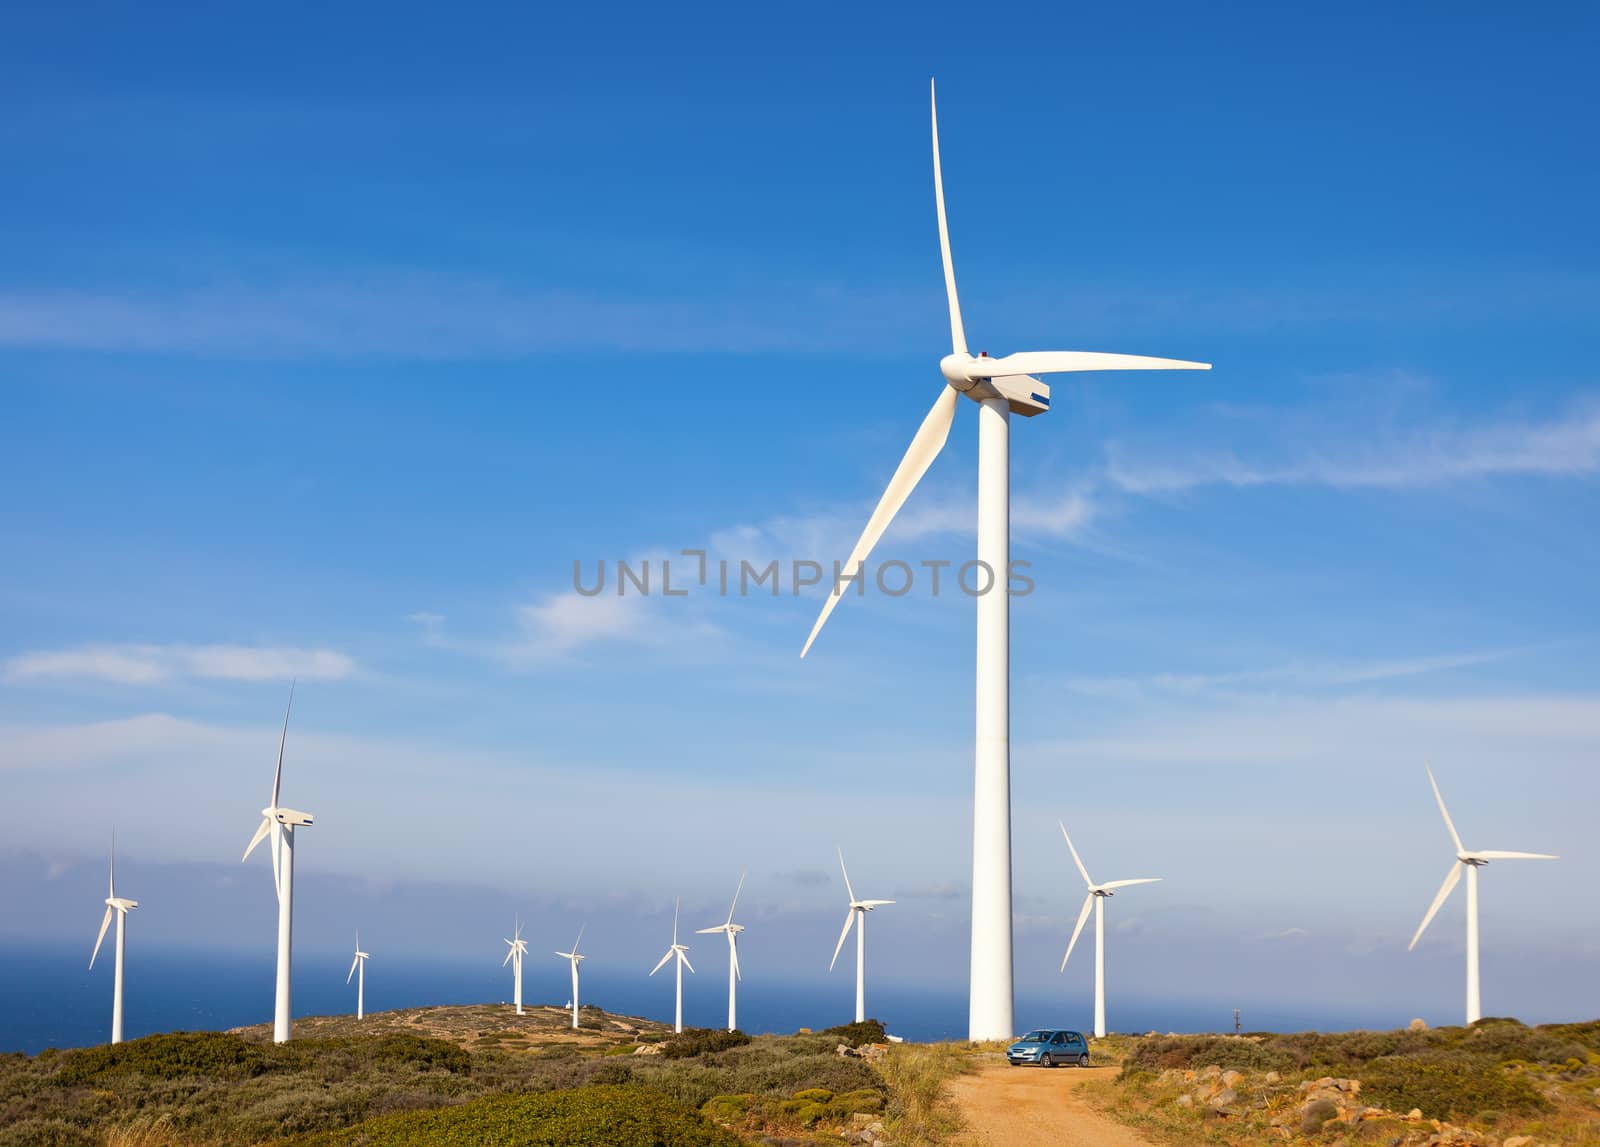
x,y
280,823
1097,900
1002,388
681,951
1471,861
359,965
732,931
574,957
118,906
519,949
858,910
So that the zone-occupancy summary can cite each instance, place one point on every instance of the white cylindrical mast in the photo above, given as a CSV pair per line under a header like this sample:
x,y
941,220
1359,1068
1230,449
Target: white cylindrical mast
x,y
1474,1003
575,992
861,966
677,1022
516,972
281,1009
116,986
990,1011
361,990
1100,967
733,982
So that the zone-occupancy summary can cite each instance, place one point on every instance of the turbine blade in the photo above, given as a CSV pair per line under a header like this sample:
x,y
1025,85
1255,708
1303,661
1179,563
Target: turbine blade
x,y
113,887
873,903
676,904
353,964
684,956
1082,871
277,858
849,919
261,834
1072,361
1128,883
1083,916
1448,823
662,963
851,892
579,940
733,954
925,446
105,922
736,892
1444,892
958,334
1495,854
709,931
277,777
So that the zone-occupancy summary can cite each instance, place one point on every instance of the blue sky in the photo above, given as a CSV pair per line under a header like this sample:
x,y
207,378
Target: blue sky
x,y
329,343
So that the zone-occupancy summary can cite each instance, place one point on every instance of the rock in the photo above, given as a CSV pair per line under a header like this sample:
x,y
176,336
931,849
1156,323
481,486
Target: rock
x,y
1232,1078
1185,1100
1170,1076
1225,1098
1273,1077
1518,1141
862,1119
1414,1113
1417,1025
1212,1072
1314,1114
647,1049
845,1051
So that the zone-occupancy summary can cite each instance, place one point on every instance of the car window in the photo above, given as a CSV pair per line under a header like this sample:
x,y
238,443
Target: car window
x,y
1036,1037
1059,1037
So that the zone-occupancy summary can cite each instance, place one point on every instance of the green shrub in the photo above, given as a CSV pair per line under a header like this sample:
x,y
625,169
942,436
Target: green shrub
x,y
171,1056
1157,1053
814,1095
726,1108
860,1101
702,1041
858,1033
1446,1086
585,1117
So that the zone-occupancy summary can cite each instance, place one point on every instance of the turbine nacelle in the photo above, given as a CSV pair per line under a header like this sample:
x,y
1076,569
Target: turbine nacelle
x,y
868,905
121,904
293,818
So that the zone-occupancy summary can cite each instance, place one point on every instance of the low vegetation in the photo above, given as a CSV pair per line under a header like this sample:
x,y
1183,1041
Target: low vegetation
x,y
1488,1083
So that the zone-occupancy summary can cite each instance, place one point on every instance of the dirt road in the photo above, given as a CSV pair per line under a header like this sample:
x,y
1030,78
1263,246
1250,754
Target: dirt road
x,y
1005,1105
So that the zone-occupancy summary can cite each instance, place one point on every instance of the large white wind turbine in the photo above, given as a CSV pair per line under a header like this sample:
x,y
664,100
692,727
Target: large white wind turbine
x,y
1471,861
1001,387
279,823
358,968
857,911
574,957
732,931
682,952
118,906
519,949
1097,900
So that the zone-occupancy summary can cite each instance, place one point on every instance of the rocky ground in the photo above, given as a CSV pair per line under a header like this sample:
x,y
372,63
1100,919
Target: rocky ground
x,y
482,1027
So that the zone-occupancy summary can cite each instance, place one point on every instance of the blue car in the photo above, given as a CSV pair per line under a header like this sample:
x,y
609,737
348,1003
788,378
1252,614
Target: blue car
x,y
1049,1047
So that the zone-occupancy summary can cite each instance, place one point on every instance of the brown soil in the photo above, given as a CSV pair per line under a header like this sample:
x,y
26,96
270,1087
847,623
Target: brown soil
x,y
1004,1105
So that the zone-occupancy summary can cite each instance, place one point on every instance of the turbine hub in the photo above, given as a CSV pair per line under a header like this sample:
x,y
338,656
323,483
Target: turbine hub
x,y
956,369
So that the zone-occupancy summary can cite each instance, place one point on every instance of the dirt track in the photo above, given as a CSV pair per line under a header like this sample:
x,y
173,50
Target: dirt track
x,y
1004,1105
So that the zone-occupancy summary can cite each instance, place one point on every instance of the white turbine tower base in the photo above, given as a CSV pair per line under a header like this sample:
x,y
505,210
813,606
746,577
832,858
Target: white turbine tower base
x,y
731,930
519,949
856,915
1471,861
358,969
575,959
279,823
1001,387
1098,893
681,951
118,906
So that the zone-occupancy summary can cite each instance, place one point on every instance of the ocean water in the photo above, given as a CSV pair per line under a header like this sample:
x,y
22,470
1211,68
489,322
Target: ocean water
x,y
49,999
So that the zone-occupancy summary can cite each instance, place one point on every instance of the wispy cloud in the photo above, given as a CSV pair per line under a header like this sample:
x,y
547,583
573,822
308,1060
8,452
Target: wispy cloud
x,y
1566,446
155,664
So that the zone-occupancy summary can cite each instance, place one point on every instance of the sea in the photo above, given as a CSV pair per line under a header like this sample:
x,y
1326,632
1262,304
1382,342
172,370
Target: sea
x,y
48,998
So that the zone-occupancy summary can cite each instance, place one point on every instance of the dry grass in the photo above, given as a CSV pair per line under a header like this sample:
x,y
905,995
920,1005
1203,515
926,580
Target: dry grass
x,y
915,1073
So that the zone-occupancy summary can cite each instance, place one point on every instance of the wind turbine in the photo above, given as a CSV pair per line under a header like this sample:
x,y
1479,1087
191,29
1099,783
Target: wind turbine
x,y
682,952
359,964
119,906
734,977
574,957
1097,899
1001,387
280,823
519,949
858,910
1471,861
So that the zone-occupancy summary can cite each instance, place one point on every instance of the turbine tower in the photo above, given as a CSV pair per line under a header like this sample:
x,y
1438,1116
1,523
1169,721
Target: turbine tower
x,y
1097,900
574,957
682,952
732,930
358,968
857,911
1471,861
279,823
519,949
118,906
1001,387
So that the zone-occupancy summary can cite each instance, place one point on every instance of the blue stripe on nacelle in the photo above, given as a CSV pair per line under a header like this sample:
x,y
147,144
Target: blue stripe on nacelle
x,y
1041,400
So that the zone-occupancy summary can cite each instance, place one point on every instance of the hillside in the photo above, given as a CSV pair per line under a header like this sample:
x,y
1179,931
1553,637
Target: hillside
x,y
480,1027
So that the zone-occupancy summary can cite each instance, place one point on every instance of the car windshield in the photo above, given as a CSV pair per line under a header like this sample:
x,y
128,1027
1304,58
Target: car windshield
x,y
1035,1037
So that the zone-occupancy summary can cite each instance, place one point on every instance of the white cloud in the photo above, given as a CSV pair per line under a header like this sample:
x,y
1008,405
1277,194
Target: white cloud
x,y
1568,446
1299,674
153,664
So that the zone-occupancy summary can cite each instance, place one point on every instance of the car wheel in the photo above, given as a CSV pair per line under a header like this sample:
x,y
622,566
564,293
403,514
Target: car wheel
x,y
1083,1060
